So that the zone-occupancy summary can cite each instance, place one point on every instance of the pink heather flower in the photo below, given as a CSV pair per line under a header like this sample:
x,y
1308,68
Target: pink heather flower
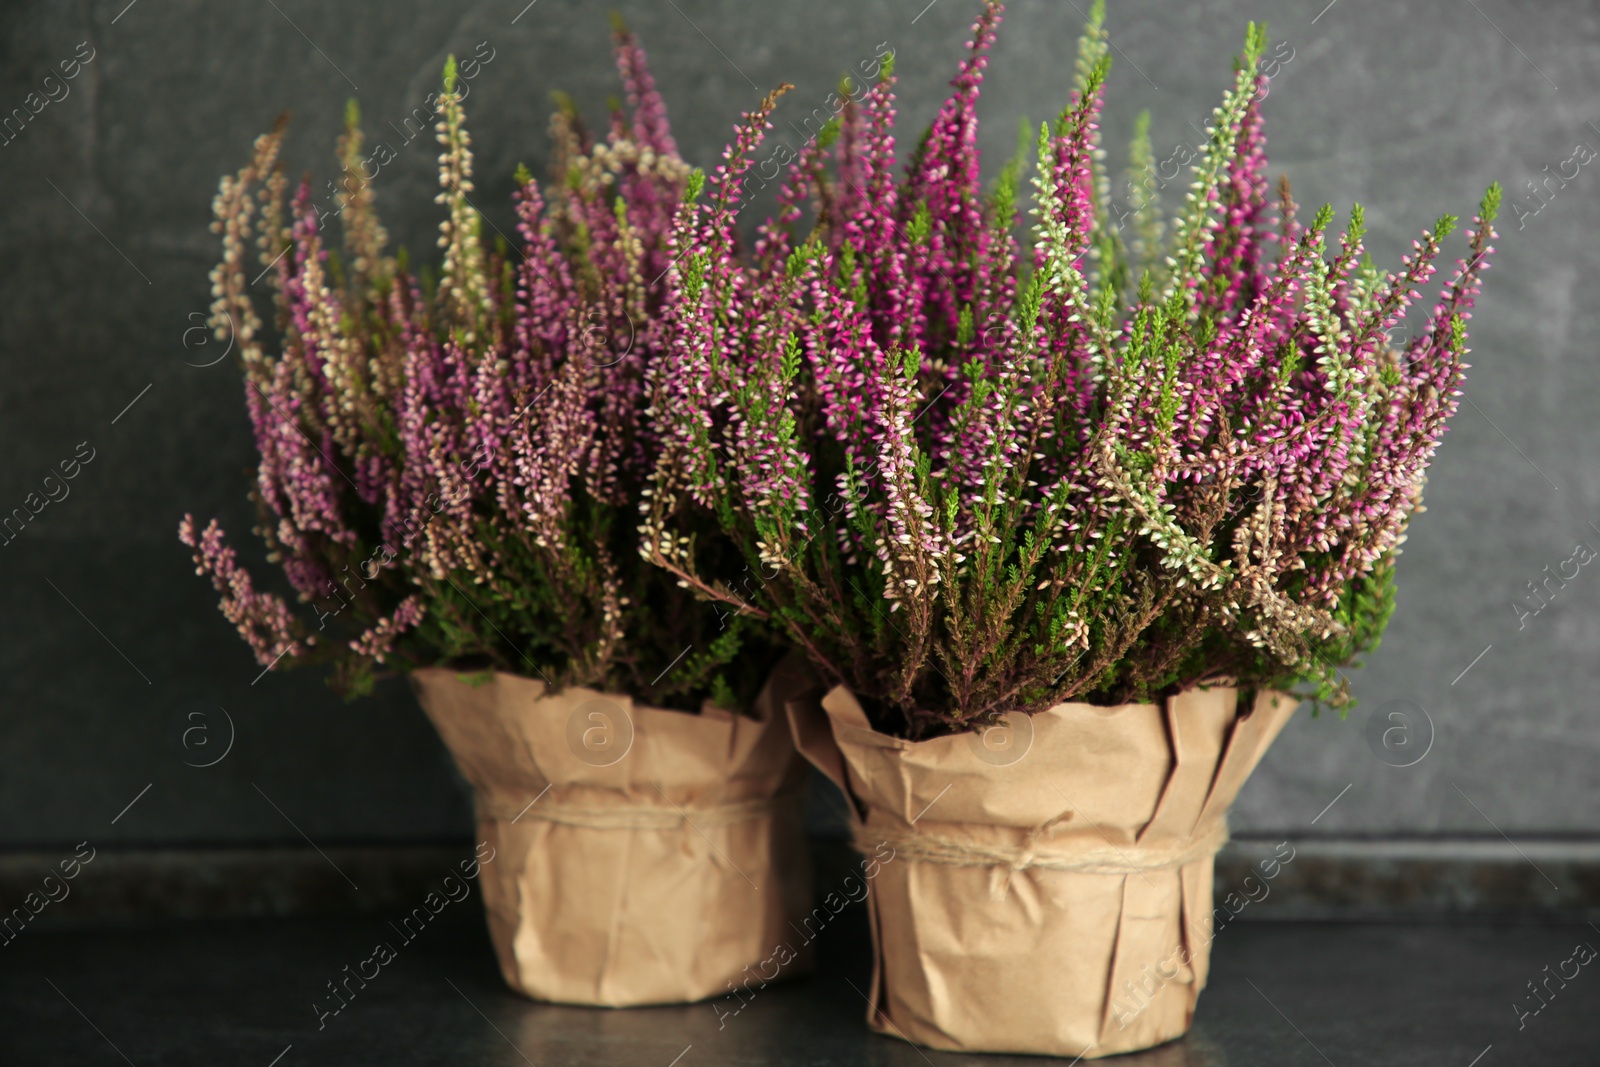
x,y
378,642
972,487
263,620
451,466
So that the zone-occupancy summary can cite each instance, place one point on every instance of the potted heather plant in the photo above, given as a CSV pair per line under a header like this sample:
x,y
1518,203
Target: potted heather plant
x,y
450,475
1071,526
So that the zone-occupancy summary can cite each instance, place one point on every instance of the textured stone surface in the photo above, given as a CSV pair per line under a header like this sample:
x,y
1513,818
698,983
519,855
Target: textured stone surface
x,y
1410,108
1280,995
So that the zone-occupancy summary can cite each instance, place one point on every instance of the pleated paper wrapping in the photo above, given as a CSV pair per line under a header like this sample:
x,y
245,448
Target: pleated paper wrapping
x,y
1050,885
642,855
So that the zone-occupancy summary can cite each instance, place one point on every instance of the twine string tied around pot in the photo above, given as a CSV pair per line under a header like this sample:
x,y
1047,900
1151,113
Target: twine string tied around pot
x,y
1036,850
628,812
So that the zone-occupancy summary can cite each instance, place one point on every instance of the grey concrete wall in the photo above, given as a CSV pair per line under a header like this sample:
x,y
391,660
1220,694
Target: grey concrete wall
x,y
110,647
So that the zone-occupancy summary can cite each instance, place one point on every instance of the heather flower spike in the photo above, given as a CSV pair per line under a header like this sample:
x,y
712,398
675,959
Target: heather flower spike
x,y
970,476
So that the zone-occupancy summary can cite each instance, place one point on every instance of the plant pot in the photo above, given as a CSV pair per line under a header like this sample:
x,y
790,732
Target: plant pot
x,y
640,855
1043,886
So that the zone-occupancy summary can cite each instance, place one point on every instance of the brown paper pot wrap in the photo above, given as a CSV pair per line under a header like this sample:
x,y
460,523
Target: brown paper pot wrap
x,y
641,855
1049,885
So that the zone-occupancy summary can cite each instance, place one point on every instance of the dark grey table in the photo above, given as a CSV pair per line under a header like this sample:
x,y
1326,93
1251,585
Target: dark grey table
x,y
241,993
